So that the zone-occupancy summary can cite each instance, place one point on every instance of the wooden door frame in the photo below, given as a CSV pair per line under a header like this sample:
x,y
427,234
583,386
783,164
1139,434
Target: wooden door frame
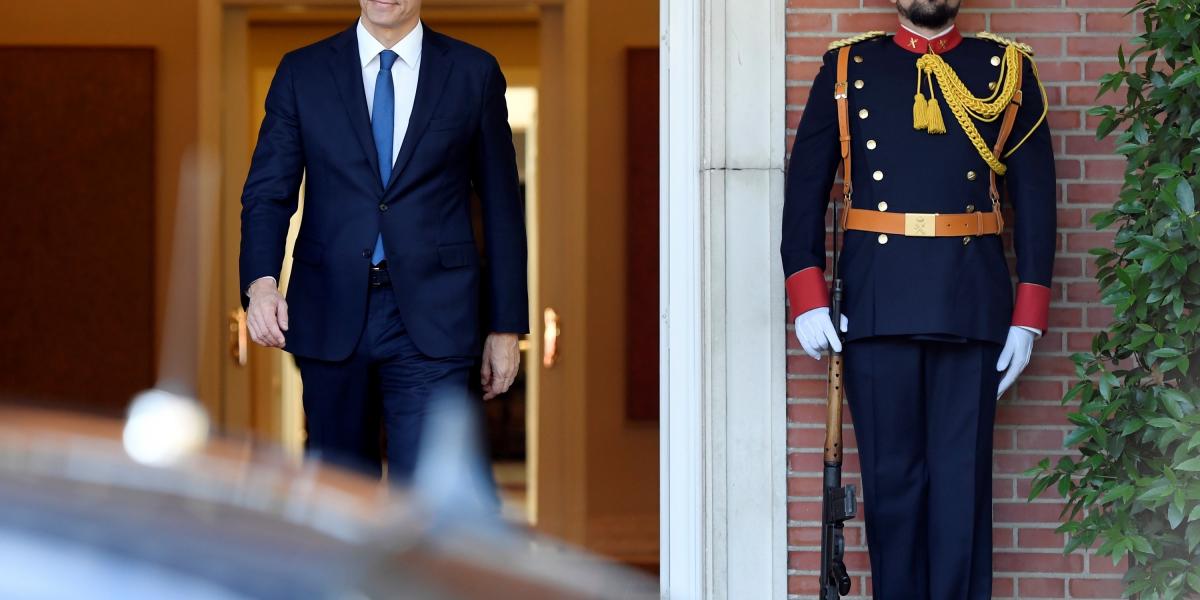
x,y
558,436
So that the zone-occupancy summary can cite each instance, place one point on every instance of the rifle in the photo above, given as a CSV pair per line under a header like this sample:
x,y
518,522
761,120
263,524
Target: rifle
x,y
838,502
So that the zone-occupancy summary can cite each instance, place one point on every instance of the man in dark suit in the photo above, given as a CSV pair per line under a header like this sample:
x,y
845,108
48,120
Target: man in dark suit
x,y
933,334
392,126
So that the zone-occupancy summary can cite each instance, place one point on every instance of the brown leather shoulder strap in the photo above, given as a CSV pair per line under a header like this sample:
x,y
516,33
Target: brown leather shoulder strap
x,y
840,94
1006,127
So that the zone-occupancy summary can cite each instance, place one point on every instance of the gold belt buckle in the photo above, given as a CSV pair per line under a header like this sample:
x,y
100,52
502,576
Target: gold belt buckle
x,y
920,224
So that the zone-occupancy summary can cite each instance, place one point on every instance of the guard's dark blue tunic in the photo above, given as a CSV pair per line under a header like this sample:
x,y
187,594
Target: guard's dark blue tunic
x,y
927,315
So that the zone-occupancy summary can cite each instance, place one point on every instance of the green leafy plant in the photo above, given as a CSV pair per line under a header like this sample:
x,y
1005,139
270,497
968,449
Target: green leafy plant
x,y
1132,479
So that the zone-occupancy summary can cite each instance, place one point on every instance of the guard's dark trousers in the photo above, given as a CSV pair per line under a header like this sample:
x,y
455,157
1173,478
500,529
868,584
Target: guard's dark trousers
x,y
386,378
923,413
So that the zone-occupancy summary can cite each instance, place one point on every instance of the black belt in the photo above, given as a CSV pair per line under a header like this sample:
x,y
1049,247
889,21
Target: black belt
x,y
378,276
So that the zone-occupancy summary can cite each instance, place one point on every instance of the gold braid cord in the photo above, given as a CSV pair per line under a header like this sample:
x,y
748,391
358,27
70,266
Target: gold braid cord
x,y
987,35
856,39
963,104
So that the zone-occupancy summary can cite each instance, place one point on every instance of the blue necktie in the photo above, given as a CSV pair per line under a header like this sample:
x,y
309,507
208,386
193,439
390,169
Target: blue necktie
x,y
383,126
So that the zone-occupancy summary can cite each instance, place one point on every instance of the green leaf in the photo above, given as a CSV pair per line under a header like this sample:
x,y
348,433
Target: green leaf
x,y
1132,426
1191,464
1177,397
1163,170
1174,515
1040,486
1105,127
1156,493
1172,405
1186,198
1187,77
1076,436
1194,442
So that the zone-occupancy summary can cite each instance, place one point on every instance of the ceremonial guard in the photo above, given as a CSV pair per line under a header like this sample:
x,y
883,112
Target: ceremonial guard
x,y
942,131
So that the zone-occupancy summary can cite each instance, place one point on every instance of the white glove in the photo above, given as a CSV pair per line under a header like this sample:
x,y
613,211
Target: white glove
x,y
1015,356
814,330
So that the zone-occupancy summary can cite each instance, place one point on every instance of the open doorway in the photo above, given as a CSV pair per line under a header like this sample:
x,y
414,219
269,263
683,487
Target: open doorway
x,y
574,459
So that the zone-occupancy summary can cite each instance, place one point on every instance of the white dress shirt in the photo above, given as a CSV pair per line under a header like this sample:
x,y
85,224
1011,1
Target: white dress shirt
x,y
404,75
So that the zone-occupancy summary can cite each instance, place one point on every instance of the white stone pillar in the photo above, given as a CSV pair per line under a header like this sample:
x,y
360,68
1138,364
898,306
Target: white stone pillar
x,y
724,425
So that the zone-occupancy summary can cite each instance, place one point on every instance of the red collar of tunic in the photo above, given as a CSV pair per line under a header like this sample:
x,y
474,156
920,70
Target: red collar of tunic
x,y
920,45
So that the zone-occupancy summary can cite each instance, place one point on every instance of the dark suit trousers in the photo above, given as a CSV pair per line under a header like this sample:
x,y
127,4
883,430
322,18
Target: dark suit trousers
x,y
385,379
923,414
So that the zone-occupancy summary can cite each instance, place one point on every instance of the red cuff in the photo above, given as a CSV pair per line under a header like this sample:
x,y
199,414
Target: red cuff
x,y
1033,306
806,290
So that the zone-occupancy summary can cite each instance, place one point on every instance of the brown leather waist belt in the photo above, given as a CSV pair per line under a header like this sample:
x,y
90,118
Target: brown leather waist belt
x,y
924,224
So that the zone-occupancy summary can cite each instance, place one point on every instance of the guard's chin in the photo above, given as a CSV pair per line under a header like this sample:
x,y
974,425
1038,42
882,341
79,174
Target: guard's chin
x,y
934,14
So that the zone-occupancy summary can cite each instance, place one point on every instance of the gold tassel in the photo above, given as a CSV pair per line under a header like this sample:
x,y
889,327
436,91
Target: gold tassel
x,y
920,121
934,117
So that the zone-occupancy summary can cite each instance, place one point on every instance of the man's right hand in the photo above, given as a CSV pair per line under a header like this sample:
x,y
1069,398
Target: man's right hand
x,y
266,317
814,330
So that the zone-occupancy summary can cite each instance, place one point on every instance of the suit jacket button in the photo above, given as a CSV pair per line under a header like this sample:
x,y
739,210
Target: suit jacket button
x,y
382,208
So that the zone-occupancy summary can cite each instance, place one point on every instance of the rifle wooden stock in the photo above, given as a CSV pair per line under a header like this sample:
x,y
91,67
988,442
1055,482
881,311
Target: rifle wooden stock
x,y
833,411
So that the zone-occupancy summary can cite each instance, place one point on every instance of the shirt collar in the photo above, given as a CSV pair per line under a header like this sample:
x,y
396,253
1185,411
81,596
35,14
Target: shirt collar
x,y
941,43
408,48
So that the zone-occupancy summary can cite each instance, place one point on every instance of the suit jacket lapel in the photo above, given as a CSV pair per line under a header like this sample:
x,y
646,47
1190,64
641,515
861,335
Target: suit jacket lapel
x,y
431,81
347,72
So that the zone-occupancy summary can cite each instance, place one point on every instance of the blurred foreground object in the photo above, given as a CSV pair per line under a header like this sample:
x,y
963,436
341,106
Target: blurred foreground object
x,y
163,428
80,518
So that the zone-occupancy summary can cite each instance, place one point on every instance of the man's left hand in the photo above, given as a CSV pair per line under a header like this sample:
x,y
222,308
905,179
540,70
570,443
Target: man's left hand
x,y
501,358
1015,356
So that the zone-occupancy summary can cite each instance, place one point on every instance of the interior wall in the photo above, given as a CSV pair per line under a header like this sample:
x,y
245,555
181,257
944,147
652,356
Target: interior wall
x,y
170,28
622,456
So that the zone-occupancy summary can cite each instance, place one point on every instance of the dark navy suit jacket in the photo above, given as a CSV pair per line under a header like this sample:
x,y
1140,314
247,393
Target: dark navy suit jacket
x,y
458,142
916,285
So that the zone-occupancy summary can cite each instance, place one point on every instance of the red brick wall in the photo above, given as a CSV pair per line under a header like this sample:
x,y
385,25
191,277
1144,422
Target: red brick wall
x,y
1075,42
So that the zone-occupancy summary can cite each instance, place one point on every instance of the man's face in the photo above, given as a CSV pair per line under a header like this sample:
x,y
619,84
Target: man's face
x,y
390,13
934,14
